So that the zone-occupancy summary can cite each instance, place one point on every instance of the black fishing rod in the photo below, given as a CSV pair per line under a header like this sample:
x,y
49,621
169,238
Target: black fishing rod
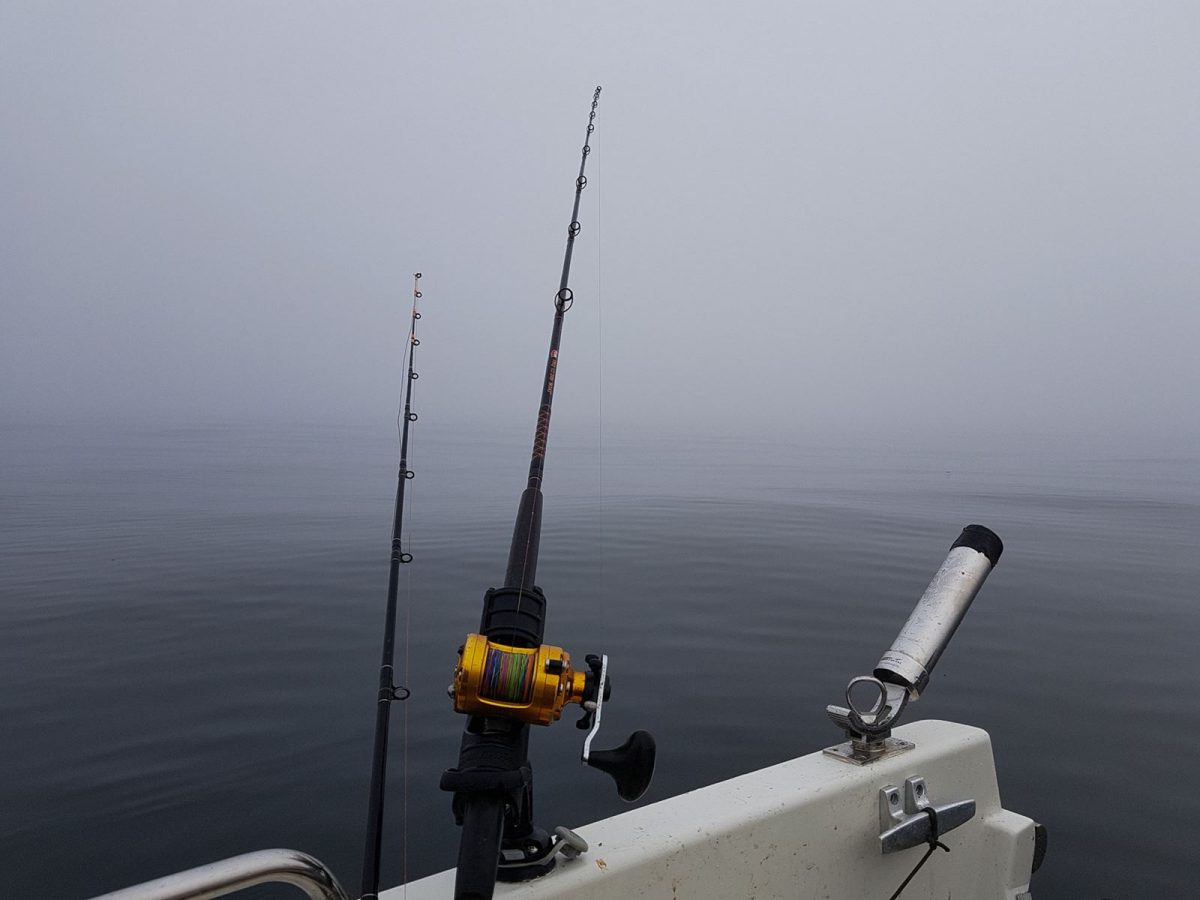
x,y
527,532
388,690
506,679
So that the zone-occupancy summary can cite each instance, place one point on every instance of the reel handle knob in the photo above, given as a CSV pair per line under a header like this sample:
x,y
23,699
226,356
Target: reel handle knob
x,y
631,765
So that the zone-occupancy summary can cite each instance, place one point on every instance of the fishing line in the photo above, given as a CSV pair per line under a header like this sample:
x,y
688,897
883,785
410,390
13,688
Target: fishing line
x,y
508,675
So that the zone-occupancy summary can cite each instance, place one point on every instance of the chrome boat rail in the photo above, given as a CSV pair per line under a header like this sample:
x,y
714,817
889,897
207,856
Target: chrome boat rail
x,y
227,876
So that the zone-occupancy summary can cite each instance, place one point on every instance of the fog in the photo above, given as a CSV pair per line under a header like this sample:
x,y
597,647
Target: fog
x,y
955,218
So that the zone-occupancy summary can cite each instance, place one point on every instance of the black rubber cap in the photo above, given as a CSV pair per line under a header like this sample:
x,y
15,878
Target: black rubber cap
x,y
986,541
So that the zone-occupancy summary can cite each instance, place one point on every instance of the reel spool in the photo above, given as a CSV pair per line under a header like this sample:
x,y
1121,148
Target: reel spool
x,y
528,684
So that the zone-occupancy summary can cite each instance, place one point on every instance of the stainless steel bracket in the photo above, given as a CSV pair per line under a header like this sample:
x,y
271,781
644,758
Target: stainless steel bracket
x,y
869,725
227,876
860,753
906,822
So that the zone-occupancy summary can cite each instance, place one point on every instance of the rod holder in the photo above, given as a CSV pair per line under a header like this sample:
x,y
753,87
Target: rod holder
x,y
917,648
875,702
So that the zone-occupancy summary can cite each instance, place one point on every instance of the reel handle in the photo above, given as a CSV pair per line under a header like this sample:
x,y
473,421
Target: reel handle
x,y
631,765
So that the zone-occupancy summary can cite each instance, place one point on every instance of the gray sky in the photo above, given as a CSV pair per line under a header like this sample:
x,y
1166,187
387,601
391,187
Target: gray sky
x,y
831,217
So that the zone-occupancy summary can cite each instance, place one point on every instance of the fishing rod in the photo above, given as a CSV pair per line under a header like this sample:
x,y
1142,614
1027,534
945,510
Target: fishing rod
x,y
388,690
506,679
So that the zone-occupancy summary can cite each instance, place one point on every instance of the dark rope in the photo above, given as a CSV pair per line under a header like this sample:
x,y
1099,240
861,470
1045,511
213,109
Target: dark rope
x,y
934,844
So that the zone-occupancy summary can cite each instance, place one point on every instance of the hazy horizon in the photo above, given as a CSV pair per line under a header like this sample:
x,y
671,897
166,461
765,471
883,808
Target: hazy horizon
x,y
952,220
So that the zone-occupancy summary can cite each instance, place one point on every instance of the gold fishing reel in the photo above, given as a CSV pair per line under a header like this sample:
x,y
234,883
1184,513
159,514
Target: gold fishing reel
x,y
529,684
533,684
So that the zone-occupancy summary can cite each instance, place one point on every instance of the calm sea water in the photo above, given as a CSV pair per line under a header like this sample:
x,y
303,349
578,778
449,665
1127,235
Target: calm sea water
x,y
191,618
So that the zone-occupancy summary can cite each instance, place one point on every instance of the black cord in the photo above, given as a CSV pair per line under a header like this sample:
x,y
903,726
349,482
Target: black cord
x,y
934,843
